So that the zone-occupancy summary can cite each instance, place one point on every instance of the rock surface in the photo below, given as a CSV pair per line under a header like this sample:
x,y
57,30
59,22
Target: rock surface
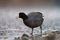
x,y
48,36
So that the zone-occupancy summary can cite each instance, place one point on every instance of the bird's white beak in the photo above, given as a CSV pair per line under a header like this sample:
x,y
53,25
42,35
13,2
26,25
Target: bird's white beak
x,y
17,17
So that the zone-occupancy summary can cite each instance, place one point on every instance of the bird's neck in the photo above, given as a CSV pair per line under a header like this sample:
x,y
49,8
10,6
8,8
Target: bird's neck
x,y
26,17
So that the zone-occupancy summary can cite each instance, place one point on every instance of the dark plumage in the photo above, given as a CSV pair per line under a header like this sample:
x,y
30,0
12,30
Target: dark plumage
x,y
32,20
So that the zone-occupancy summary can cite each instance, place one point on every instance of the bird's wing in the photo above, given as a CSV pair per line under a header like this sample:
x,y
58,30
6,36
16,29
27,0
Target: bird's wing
x,y
35,14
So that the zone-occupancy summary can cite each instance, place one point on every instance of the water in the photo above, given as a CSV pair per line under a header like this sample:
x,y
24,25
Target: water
x,y
12,27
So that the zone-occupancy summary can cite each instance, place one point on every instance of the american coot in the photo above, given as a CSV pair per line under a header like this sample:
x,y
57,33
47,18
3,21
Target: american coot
x,y
32,20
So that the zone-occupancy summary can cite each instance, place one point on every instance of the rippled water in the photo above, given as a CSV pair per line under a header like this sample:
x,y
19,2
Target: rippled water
x,y
12,27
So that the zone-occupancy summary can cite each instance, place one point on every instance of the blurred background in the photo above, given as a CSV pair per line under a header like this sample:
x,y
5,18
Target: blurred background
x,y
23,3
11,27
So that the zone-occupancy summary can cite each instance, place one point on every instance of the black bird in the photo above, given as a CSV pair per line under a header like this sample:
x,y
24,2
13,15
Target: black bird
x,y
32,20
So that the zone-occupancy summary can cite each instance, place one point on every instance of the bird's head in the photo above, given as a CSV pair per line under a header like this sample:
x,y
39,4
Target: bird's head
x,y
23,15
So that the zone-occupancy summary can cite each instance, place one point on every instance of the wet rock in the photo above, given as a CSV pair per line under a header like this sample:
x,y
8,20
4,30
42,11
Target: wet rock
x,y
25,37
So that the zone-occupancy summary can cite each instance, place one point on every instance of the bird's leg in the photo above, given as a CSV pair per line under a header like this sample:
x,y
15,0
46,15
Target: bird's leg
x,y
41,30
32,33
